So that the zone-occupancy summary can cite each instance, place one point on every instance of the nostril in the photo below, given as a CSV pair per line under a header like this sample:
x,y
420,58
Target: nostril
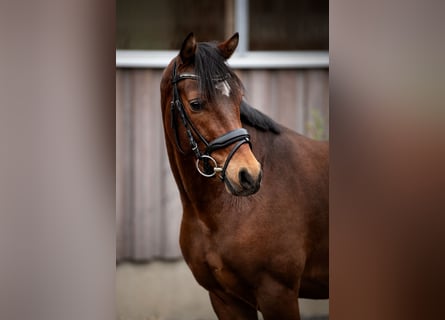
x,y
245,179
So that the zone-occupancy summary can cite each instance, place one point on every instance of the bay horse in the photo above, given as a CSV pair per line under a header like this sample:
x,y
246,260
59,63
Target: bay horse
x,y
254,193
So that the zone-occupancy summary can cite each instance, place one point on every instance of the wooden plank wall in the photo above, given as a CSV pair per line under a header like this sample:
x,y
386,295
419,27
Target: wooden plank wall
x,y
148,207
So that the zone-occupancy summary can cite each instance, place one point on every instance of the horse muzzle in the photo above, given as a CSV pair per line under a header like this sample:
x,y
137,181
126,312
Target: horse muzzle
x,y
243,178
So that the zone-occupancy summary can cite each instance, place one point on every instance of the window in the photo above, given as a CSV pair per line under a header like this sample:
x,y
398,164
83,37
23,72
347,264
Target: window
x,y
272,25
273,34
162,25
289,25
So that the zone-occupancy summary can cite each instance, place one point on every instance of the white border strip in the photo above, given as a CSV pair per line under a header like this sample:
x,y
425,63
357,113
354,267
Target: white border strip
x,y
242,24
248,60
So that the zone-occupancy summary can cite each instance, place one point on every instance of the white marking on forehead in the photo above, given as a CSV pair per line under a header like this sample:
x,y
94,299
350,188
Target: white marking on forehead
x,y
224,87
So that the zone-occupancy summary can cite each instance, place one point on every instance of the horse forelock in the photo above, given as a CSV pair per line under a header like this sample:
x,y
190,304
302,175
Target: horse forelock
x,y
211,68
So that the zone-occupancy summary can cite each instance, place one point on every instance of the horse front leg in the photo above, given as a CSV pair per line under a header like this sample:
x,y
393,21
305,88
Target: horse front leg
x,y
227,307
276,301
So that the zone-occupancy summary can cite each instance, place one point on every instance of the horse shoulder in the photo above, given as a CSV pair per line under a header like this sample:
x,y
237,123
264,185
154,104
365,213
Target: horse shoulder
x,y
194,243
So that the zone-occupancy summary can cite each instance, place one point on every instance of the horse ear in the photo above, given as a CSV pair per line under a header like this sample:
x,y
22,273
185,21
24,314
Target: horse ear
x,y
188,48
228,47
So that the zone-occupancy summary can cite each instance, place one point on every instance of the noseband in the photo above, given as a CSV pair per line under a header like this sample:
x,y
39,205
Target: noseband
x,y
238,136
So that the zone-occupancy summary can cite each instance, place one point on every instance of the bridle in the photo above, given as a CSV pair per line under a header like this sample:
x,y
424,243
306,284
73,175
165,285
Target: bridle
x,y
238,136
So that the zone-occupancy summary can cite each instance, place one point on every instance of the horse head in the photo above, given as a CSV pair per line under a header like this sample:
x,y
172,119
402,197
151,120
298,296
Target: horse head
x,y
201,98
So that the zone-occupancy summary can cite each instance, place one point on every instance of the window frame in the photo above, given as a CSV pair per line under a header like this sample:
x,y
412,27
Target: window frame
x,y
243,58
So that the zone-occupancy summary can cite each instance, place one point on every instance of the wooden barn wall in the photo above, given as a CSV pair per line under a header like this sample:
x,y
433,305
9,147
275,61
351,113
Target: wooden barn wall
x,y
148,205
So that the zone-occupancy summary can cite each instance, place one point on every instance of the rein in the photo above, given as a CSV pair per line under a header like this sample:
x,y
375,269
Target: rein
x,y
238,136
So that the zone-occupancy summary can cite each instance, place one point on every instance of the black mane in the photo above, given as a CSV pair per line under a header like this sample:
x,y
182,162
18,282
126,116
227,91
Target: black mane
x,y
257,119
211,65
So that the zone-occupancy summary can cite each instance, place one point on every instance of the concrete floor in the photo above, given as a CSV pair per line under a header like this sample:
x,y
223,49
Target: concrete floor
x,y
168,291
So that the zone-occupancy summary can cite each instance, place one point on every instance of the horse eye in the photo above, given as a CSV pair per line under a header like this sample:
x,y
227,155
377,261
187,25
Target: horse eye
x,y
196,105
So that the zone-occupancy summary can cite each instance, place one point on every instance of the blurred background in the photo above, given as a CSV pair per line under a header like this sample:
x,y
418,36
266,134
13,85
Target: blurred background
x,y
283,62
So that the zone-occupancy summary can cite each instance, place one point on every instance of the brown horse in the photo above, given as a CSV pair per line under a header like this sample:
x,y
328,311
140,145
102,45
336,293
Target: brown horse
x,y
254,229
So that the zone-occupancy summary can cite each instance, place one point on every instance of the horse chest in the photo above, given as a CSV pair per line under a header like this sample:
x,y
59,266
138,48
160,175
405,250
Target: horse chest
x,y
209,265
215,275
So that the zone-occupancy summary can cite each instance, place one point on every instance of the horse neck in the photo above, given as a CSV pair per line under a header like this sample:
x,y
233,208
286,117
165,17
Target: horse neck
x,y
196,191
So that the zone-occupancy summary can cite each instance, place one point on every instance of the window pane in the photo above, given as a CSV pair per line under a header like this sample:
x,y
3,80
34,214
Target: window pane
x,y
163,25
289,25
